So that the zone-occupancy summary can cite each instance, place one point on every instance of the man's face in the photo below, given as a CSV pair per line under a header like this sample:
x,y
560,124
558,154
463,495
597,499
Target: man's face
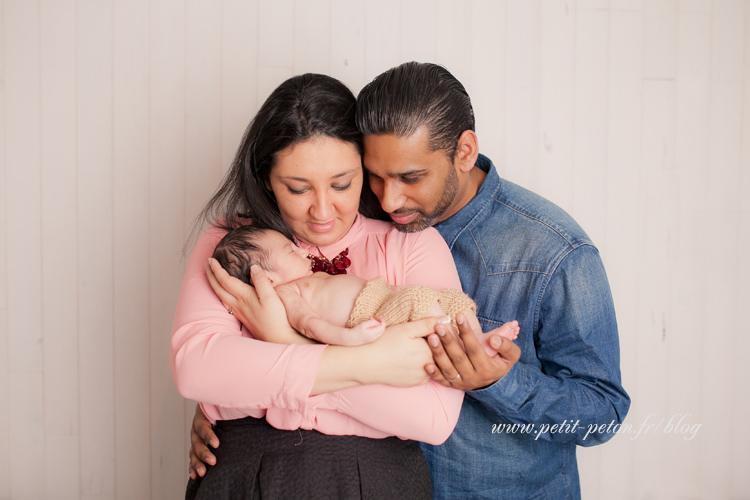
x,y
416,186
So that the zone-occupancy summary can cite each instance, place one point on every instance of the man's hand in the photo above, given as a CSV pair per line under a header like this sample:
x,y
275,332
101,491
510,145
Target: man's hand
x,y
201,435
469,367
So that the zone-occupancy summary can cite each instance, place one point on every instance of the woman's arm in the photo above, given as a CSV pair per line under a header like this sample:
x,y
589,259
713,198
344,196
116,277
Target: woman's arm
x,y
427,412
216,362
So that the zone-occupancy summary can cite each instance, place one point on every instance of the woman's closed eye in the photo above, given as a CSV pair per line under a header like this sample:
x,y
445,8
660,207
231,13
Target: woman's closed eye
x,y
342,188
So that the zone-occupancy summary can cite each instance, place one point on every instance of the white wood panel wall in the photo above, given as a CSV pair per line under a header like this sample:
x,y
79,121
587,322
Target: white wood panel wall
x,y
118,118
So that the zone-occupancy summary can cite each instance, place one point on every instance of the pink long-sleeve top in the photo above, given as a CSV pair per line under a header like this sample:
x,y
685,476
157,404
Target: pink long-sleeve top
x,y
215,359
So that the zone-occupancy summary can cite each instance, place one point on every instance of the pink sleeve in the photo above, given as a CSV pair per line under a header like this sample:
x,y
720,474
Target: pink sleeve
x,y
425,413
215,361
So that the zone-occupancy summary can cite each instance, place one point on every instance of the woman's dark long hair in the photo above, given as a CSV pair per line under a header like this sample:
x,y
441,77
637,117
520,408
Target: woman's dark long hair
x,y
303,107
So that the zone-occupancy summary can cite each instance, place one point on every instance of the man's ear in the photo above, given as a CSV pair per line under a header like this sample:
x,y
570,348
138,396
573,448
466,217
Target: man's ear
x,y
467,150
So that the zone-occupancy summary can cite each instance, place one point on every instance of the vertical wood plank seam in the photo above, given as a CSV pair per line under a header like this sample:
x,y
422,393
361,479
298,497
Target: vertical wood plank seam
x,y
501,170
42,466
185,107
6,340
78,255
605,166
77,249
738,235
574,105
152,484
113,176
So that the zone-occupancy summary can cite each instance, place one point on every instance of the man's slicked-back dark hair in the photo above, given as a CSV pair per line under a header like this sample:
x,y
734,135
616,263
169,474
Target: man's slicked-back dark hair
x,y
407,97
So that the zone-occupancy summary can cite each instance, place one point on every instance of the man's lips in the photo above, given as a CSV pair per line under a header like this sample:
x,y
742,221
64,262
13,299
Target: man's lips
x,y
322,227
403,219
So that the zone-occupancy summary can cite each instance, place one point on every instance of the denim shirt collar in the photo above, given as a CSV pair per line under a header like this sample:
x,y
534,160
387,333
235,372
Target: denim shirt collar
x,y
451,228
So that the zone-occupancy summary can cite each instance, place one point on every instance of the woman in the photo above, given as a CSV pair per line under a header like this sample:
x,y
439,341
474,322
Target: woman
x,y
298,171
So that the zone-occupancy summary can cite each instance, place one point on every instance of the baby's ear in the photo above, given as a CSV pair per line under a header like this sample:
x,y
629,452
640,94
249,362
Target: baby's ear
x,y
273,278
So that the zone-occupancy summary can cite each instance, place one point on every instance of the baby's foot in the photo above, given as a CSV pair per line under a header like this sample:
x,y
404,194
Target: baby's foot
x,y
508,330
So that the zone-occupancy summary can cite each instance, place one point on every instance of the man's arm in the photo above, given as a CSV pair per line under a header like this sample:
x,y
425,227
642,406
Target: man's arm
x,y
578,350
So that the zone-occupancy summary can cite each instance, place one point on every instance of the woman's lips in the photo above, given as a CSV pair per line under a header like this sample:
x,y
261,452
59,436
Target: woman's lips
x,y
322,227
403,218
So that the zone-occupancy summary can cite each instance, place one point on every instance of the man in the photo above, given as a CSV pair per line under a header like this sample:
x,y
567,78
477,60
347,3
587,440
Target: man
x,y
519,257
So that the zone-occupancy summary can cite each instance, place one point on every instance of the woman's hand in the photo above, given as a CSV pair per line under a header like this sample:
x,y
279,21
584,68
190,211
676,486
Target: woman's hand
x,y
400,354
259,308
201,437
397,358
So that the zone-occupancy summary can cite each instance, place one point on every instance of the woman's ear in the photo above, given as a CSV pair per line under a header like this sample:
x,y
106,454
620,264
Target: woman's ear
x,y
467,150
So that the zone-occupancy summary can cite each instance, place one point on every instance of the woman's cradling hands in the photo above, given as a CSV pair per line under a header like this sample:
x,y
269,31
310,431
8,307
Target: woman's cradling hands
x,y
258,307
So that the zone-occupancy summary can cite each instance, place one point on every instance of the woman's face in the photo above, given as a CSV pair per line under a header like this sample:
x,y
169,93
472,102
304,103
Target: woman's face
x,y
317,184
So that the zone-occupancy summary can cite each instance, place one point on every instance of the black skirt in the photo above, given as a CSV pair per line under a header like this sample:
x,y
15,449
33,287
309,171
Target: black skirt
x,y
257,461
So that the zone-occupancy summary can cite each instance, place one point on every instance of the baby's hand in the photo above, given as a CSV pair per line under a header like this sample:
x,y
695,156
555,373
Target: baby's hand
x,y
365,332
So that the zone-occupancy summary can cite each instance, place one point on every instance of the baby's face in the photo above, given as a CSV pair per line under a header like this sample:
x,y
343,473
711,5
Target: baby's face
x,y
289,261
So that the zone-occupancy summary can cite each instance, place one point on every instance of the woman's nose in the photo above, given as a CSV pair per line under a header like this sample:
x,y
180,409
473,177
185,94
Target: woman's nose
x,y
321,208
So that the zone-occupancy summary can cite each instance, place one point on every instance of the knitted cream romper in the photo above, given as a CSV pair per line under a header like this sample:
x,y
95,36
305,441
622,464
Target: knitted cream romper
x,y
379,300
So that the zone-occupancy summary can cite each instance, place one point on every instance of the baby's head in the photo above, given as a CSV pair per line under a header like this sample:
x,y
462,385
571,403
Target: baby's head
x,y
278,256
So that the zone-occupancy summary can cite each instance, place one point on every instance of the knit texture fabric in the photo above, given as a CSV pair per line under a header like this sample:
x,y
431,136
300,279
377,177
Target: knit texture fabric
x,y
379,300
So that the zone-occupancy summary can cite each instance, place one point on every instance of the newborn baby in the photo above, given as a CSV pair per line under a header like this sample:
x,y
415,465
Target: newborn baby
x,y
335,309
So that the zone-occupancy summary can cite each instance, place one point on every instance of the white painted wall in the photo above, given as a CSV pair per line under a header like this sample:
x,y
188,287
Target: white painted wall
x,y
118,117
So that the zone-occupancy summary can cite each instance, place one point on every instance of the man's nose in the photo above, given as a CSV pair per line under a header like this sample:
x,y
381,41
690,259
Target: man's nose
x,y
392,198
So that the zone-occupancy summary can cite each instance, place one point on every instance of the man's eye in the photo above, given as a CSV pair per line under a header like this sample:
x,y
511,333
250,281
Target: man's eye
x,y
411,180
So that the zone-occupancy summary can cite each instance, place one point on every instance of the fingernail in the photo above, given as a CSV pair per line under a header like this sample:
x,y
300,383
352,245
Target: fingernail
x,y
433,340
255,269
440,330
444,320
430,370
495,341
459,319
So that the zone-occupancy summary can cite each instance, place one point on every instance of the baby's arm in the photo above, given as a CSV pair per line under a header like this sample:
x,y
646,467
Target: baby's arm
x,y
308,322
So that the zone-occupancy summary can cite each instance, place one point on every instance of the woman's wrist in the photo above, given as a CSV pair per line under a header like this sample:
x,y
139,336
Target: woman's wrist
x,y
282,335
341,368
397,358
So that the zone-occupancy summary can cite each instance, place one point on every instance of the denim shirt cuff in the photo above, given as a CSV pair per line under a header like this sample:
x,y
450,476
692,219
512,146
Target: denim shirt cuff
x,y
507,393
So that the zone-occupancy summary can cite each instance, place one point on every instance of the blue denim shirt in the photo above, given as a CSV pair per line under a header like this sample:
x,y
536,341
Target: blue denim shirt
x,y
521,257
